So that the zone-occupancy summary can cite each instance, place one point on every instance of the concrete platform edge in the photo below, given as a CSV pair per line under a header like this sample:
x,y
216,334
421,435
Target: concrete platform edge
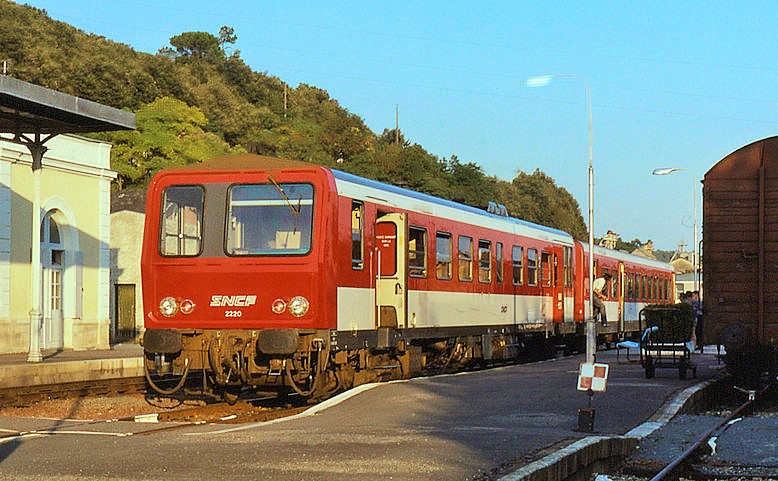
x,y
70,371
584,452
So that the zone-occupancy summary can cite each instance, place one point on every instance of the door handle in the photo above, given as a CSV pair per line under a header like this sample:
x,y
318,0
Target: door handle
x,y
398,289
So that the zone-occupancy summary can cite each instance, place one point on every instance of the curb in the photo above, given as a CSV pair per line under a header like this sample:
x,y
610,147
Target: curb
x,y
581,455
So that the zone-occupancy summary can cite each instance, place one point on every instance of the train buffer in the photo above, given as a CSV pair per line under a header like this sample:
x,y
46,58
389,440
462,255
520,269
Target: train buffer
x,y
664,343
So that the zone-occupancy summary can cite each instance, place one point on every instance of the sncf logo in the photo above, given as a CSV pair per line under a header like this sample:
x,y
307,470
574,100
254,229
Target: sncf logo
x,y
237,301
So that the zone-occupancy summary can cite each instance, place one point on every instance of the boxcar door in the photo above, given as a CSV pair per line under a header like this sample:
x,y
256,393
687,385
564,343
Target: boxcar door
x,y
391,273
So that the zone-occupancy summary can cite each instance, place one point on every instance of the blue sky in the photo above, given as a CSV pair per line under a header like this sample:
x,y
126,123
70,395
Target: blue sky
x,y
674,84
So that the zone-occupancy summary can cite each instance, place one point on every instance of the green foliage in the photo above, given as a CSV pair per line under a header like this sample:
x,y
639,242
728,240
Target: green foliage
x,y
195,100
168,133
538,199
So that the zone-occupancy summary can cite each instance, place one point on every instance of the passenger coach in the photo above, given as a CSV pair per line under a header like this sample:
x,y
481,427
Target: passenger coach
x,y
275,274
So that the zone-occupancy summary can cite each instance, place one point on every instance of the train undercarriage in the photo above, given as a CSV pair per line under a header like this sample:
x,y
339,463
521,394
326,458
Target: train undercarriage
x,y
314,364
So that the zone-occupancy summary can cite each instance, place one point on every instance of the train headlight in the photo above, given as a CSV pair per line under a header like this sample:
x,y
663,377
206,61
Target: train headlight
x,y
168,307
298,306
187,306
278,306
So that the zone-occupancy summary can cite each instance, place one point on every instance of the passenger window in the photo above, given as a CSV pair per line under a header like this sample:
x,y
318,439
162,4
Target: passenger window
x,y
615,285
532,267
484,261
182,220
357,235
546,269
417,252
498,259
443,250
629,287
518,265
465,258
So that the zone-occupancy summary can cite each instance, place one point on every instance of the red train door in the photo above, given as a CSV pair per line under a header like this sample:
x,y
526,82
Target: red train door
x,y
552,281
558,285
391,272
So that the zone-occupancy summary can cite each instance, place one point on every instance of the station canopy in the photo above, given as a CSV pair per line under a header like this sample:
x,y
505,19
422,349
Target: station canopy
x,y
26,108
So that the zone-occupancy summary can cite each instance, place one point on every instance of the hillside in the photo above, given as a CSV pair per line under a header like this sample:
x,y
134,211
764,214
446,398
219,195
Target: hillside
x,y
194,101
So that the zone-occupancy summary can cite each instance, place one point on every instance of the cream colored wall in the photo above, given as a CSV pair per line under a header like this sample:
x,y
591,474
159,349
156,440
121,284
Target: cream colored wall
x,y
75,180
126,243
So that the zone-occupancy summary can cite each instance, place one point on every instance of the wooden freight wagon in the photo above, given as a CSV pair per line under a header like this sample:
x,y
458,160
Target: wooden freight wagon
x,y
740,246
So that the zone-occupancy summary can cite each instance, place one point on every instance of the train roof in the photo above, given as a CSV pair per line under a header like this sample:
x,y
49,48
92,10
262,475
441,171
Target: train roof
x,y
359,187
245,162
390,195
627,257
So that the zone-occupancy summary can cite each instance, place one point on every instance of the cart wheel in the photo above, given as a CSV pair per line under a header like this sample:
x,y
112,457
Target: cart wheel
x,y
649,367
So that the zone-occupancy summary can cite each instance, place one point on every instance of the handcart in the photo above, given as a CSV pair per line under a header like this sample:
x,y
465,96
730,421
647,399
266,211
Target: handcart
x,y
666,331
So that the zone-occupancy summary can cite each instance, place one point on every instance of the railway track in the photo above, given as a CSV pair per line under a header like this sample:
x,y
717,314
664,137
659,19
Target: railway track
x,y
27,395
701,458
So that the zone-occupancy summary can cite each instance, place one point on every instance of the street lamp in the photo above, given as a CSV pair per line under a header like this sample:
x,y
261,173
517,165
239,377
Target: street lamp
x,y
542,81
670,170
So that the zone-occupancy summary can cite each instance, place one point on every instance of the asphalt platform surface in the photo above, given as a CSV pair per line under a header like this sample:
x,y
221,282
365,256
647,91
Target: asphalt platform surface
x,y
470,426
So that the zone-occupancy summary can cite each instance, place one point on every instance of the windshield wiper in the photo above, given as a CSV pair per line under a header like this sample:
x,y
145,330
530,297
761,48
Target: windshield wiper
x,y
295,210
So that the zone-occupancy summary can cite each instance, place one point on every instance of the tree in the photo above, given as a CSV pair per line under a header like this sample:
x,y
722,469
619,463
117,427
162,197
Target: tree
x,y
168,133
200,45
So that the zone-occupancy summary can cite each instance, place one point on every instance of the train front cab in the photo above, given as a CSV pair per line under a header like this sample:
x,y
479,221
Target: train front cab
x,y
232,263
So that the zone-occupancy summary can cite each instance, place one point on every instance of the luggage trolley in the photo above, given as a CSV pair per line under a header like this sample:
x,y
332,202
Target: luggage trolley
x,y
667,329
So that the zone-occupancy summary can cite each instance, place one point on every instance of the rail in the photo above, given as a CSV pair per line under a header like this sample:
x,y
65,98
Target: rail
x,y
26,395
670,468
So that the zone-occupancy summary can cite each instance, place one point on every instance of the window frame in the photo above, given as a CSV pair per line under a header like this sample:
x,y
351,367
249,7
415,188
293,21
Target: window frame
x,y
517,263
416,270
532,266
448,262
358,244
181,225
484,271
274,252
498,263
465,259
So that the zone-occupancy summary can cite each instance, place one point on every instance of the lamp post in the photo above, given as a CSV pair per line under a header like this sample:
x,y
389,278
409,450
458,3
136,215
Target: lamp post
x,y
670,170
542,81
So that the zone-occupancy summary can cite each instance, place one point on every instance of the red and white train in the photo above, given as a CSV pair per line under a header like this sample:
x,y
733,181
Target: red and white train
x,y
261,273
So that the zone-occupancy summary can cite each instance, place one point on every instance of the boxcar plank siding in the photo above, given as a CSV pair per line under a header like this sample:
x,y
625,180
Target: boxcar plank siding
x,y
740,241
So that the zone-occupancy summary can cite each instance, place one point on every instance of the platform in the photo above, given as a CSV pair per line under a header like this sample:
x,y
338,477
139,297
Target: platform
x,y
122,360
518,422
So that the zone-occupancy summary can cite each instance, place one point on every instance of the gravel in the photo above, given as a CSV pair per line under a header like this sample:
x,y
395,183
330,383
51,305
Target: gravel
x,y
93,408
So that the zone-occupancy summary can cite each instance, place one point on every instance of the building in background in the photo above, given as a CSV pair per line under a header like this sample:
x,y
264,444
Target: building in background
x,y
75,236
127,217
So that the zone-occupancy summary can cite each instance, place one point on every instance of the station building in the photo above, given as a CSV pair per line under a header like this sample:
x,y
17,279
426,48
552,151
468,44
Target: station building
x,y
75,236
128,209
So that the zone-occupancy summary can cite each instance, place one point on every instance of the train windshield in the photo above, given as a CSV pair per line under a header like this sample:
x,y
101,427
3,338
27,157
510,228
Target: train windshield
x,y
182,220
269,219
